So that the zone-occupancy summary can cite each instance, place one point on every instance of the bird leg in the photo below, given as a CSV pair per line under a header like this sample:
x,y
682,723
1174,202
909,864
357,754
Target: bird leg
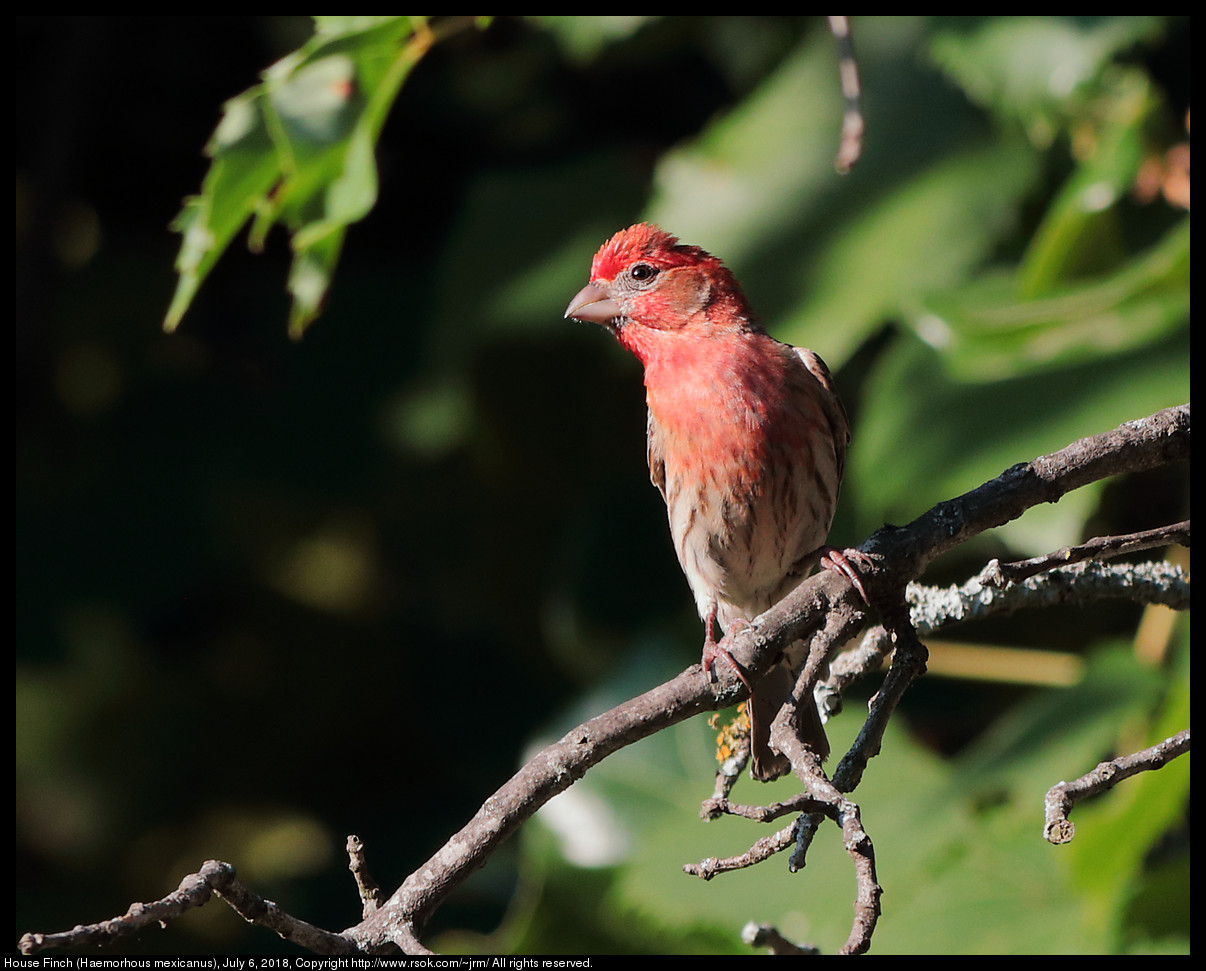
x,y
712,650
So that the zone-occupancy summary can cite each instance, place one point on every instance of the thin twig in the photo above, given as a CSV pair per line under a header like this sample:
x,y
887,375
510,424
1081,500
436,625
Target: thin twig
x,y
1058,828
195,890
801,802
768,936
807,766
370,892
997,574
850,146
763,849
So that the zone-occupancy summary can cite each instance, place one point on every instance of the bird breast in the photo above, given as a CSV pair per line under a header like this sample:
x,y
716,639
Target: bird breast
x,y
744,458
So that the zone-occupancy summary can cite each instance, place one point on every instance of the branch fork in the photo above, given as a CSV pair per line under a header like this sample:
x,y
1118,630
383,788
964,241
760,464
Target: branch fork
x,y
824,611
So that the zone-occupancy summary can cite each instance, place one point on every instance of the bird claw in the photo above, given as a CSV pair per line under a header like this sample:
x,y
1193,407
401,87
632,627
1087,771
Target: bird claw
x,y
839,562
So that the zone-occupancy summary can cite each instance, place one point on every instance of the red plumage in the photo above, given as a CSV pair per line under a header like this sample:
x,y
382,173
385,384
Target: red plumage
x,y
746,437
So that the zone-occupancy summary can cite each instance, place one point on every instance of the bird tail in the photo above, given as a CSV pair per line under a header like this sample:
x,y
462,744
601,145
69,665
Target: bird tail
x,y
769,695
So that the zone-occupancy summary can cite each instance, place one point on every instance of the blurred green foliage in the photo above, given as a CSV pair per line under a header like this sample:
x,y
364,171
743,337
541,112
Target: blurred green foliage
x,y
273,592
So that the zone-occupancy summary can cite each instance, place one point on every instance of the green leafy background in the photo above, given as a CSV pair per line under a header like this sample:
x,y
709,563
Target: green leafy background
x,y
271,592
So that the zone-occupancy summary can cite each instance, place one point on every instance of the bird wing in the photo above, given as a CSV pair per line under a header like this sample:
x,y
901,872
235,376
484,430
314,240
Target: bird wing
x,y
831,404
656,457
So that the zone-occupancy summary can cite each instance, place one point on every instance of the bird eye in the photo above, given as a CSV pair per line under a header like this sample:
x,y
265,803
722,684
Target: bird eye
x,y
641,272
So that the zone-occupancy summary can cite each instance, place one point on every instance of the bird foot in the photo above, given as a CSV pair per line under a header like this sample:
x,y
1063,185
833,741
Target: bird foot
x,y
839,562
712,650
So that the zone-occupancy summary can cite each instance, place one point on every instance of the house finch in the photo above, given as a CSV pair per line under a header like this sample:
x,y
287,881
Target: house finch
x,y
746,442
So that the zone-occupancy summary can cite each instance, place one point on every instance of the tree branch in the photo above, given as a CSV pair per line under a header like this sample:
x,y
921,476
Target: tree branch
x,y
998,574
764,935
898,555
850,147
1058,828
195,890
371,895
893,557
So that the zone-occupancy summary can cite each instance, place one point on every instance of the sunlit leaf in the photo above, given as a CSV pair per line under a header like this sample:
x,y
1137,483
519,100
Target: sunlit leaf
x,y
243,172
924,234
922,435
1028,68
1079,233
986,332
298,149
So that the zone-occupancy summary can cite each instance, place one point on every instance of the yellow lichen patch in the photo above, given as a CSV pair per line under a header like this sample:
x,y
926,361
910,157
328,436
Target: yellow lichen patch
x,y
731,735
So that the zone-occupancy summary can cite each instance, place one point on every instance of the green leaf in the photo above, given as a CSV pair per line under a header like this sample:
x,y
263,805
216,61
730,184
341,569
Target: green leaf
x,y
243,172
922,435
928,232
1079,232
310,278
985,332
758,186
1029,68
298,149
753,171
992,883
966,829
1117,831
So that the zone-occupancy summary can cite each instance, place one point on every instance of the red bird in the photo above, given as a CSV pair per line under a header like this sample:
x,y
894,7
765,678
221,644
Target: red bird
x,y
746,437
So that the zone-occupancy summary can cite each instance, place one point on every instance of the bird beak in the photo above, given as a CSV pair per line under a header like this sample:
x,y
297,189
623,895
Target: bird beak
x,y
593,305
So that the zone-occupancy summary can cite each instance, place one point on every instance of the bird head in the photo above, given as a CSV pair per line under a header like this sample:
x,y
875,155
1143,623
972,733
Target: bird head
x,y
645,277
